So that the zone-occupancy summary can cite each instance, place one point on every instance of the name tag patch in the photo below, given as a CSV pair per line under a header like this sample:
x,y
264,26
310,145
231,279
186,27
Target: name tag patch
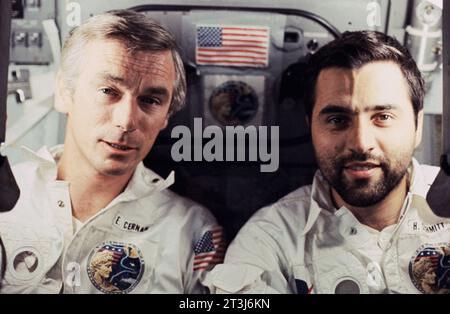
x,y
125,224
419,226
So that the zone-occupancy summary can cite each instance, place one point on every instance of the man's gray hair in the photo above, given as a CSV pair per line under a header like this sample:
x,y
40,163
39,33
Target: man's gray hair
x,y
137,31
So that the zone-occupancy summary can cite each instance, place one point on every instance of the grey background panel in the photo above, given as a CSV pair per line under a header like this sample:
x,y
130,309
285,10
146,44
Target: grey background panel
x,y
29,44
353,16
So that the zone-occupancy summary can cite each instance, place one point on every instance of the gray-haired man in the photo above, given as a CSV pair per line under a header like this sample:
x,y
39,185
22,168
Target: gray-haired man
x,y
91,218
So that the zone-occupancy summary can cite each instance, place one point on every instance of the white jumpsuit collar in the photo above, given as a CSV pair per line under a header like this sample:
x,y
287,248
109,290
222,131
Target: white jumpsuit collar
x,y
47,159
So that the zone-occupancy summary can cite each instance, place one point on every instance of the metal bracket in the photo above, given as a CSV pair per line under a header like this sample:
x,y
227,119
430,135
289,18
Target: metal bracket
x,y
20,85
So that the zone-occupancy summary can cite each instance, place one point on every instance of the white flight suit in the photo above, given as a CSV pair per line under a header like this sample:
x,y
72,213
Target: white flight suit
x,y
302,244
145,241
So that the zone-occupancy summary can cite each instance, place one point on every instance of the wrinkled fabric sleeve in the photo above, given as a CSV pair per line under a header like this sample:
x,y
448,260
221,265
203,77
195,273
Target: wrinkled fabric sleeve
x,y
252,264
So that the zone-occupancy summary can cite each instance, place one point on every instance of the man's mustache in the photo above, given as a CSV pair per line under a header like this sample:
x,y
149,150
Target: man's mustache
x,y
359,157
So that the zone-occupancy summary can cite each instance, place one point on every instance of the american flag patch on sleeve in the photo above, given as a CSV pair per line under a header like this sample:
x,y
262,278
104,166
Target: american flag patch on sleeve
x,y
210,249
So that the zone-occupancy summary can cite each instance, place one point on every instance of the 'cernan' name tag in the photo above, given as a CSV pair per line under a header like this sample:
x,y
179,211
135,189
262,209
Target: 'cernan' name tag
x,y
125,224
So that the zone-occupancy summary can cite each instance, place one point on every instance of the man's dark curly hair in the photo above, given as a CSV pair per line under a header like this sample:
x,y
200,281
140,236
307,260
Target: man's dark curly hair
x,y
353,50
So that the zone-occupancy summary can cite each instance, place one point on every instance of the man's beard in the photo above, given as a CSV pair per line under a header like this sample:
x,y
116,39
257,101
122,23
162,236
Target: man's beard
x,y
363,192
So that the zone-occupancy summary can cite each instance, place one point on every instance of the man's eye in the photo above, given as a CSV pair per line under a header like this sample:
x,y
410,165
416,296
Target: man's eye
x,y
108,91
149,100
337,120
384,117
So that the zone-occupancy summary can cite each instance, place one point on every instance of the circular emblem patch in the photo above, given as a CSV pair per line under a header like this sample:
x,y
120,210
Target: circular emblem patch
x,y
26,263
115,267
429,269
233,103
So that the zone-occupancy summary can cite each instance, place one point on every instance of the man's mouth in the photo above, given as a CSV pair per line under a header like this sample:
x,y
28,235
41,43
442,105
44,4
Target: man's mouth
x,y
361,166
118,146
361,170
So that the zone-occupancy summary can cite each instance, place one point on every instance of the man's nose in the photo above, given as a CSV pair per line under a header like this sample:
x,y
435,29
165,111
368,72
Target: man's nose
x,y
125,114
361,138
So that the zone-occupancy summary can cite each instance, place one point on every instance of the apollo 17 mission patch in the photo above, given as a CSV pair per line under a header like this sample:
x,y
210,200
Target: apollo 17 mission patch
x,y
115,268
429,268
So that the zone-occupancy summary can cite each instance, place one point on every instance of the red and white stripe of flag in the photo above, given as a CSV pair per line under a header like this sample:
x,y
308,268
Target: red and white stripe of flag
x,y
207,259
241,46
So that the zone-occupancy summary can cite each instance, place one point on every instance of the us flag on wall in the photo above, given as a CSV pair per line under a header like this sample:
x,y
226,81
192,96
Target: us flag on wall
x,y
210,249
243,46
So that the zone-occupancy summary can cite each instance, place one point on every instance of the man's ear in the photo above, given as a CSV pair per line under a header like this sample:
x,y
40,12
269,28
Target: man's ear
x,y
62,94
308,123
166,122
419,128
